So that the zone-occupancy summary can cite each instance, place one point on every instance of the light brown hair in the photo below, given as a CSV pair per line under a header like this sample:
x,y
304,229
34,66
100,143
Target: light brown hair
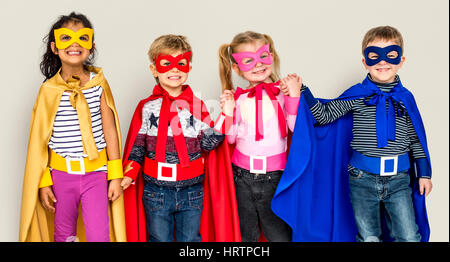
x,y
387,33
168,42
226,59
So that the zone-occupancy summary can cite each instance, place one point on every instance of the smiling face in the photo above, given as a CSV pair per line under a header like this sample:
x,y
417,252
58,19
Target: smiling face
x,y
173,79
260,72
383,72
73,55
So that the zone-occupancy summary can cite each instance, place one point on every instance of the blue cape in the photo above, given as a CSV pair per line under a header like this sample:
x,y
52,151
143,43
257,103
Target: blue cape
x,y
313,195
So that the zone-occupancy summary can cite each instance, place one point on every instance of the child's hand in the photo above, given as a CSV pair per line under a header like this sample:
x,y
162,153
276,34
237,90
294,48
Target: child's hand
x,y
291,85
45,194
425,185
126,182
115,189
227,102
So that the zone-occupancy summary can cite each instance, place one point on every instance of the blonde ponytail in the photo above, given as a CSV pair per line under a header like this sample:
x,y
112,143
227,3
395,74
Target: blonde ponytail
x,y
225,67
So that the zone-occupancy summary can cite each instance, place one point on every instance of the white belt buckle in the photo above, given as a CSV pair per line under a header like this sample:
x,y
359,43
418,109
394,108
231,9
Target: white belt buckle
x,y
382,165
69,166
264,164
167,165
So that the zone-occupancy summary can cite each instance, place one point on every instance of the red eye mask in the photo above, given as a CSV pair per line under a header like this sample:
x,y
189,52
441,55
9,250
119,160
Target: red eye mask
x,y
174,62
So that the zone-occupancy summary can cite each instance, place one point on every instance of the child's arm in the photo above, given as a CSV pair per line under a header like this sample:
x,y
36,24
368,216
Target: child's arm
x,y
291,86
423,172
115,173
135,160
329,112
227,97
45,195
212,137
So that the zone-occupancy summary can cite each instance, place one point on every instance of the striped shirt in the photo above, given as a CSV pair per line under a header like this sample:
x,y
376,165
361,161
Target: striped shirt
x,y
364,125
66,138
198,136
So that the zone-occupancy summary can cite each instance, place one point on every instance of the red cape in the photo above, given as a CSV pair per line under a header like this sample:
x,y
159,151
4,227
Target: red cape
x,y
219,220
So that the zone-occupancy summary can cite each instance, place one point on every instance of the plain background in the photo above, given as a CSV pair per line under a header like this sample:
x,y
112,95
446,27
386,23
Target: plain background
x,y
319,40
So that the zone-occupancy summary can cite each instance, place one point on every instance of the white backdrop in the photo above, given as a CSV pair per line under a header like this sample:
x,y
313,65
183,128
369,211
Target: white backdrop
x,y
319,40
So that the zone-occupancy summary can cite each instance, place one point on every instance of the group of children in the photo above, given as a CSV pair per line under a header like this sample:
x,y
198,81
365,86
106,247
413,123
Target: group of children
x,y
158,188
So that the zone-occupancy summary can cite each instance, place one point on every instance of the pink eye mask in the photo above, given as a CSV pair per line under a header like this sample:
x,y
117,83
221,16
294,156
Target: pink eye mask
x,y
255,58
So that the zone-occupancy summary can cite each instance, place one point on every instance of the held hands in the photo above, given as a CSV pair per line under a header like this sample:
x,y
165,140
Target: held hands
x,y
130,168
126,182
291,85
227,102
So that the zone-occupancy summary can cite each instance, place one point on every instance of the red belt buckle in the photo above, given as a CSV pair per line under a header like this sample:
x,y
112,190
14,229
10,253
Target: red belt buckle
x,y
163,170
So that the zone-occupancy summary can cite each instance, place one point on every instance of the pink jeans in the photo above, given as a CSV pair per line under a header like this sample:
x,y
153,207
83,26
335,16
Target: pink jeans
x,y
91,190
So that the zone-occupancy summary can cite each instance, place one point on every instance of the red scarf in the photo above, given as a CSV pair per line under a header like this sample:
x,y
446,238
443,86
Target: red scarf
x,y
220,220
272,91
169,114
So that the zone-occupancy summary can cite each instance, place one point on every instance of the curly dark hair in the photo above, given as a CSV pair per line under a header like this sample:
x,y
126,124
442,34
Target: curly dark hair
x,y
51,62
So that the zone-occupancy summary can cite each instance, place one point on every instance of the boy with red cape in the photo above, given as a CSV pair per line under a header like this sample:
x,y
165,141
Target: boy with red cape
x,y
172,124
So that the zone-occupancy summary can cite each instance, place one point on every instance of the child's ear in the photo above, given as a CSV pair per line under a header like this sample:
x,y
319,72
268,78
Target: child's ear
x,y
235,68
402,60
364,63
53,47
153,69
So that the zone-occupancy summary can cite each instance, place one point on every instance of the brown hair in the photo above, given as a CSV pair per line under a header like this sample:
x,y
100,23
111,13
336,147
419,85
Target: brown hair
x,y
382,33
226,59
168,42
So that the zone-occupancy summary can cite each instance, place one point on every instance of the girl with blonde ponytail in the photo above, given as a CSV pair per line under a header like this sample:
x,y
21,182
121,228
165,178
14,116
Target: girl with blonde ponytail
x,y
264,111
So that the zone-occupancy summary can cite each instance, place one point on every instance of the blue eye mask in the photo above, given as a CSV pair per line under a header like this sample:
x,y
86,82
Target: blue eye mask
x,y
383,54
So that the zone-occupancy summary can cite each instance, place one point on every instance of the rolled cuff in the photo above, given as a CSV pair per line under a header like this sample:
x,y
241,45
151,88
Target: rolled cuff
x,y
132,169
422,167
291,104
46,179
115,169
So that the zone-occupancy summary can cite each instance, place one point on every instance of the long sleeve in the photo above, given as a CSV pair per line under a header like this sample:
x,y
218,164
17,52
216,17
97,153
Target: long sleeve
x,y
417,151
233,131
138,150
416,147
212,137
329,112
291,106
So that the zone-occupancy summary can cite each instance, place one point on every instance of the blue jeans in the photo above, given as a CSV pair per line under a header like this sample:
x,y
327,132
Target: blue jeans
x,y
369,191
169,208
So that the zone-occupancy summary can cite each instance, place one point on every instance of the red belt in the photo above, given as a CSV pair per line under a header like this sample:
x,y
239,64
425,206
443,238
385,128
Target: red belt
x,y
173,172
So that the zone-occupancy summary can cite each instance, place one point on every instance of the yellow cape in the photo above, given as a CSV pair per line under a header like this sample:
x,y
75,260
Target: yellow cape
x,y
36,224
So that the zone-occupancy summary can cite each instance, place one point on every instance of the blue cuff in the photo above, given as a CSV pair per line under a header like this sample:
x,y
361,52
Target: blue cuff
x,y
309,98
423,169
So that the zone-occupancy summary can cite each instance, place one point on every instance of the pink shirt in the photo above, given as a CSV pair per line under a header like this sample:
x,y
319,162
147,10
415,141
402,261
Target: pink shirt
x,y
242,132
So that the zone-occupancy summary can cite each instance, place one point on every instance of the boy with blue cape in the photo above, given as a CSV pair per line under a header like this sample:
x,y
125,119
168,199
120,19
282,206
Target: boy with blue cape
x,y
360,176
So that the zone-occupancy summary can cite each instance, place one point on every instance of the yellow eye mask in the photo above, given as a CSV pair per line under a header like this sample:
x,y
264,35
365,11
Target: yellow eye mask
x,y
64,37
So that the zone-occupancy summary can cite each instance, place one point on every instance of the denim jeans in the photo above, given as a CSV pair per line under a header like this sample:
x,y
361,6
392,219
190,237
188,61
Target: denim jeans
x,y
254,194
169,208
370,192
